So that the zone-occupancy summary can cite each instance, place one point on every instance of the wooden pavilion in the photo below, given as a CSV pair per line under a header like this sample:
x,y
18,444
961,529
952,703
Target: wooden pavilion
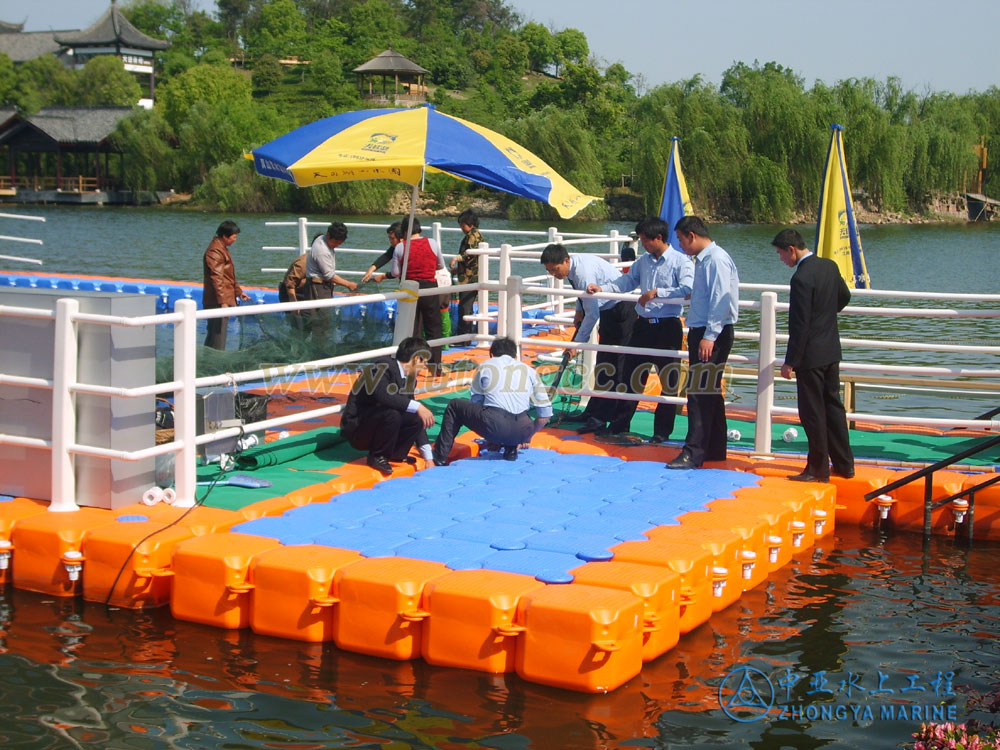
x,y
60,154
405,77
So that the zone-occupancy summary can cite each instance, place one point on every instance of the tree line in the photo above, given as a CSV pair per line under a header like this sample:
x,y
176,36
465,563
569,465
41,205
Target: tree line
x,y
753,147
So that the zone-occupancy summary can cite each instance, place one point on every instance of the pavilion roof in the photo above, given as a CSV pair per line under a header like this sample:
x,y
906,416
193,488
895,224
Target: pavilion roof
x,y
68,125
390,61
27,45
113,28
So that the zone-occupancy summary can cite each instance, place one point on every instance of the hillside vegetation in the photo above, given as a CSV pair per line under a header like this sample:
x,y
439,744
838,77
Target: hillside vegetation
x,y
753,147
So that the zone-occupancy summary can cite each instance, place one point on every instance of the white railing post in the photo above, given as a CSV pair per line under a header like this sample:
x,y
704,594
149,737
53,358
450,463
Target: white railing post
x,y
185,399
613,246
502,275
303,235
483,296
560,306
64,374
553,233
436,233
765,371
512,295
406,311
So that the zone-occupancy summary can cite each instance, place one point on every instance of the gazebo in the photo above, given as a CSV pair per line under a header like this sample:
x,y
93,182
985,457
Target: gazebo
x,y
392,67
114,35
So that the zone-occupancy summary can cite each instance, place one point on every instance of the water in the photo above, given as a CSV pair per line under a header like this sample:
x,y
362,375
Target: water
x,y
76,674
958,258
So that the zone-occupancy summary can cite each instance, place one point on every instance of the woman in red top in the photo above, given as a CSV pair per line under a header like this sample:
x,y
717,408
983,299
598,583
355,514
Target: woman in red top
x,y
424,260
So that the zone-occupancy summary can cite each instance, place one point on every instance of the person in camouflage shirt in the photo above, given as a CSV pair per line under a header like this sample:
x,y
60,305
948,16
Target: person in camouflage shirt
x,y
466,267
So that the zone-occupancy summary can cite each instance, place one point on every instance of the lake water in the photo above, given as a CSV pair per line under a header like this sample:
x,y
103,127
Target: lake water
x,y
833,632
953,258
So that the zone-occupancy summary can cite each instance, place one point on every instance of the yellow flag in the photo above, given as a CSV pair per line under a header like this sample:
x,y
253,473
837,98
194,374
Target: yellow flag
x,y
837,235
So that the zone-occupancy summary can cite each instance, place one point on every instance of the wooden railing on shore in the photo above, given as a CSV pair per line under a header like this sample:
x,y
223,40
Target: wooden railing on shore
x,y
76,184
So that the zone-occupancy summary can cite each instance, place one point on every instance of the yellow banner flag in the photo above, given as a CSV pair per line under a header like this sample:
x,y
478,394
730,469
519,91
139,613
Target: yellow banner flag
x,y
837,235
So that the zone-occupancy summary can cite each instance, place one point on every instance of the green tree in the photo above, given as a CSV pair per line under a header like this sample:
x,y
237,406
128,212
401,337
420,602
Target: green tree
x,y
43,82
267,73
541,46
279,29
8,80
103,81
571,46
210,83
144,140
372,26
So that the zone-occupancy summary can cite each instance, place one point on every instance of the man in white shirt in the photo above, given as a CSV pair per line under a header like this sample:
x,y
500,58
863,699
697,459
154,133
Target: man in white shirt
x,y
503,391
321,276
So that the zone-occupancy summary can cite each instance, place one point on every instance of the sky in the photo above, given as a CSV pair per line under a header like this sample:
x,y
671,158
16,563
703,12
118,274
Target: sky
x,y
928,44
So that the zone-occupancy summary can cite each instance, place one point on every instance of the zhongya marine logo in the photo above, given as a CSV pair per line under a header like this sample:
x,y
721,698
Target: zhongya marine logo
x,y
379,142
746,694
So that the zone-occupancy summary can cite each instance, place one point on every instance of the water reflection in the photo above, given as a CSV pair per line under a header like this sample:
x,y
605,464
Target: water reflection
x,y
78,674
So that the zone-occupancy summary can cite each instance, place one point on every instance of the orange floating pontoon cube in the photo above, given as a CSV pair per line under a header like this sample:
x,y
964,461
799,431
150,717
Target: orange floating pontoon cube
x,y
12,511
471,622
657,587
47,556
779,518
212,582
585,638
120,555
293,591
727,558
824,496
691,562
380,605
802,504
751,529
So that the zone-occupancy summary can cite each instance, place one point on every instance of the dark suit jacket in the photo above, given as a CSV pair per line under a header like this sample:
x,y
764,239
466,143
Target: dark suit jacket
x,y
818,294
379,386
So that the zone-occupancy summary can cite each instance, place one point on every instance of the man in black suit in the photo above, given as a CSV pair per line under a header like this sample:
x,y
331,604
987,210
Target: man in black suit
x,y
381,415
813,353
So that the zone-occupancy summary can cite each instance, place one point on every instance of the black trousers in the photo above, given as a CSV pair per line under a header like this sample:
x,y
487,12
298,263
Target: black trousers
x,y
466,302
495,424
615,329
216,336
824,419
317,322
665,333
386,432
706,437
428,320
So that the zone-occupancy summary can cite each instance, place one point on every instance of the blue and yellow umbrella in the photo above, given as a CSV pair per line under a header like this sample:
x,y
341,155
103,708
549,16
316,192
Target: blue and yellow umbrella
x,y
405,144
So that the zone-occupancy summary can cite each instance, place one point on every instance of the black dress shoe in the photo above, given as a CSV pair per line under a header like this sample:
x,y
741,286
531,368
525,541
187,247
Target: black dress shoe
x,y
849,474
591,425
683,461
658,439
404,460
380,464
805,476
510,453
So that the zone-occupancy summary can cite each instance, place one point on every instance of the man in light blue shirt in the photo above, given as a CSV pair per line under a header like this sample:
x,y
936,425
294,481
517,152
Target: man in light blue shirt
x,y
714,309
616,318
664,276
503,390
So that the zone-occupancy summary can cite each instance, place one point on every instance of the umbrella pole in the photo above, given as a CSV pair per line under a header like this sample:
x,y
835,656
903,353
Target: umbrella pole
x,y
409,231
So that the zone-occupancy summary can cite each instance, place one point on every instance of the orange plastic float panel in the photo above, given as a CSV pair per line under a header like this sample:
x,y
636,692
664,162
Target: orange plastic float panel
x,y
777,516
471,622
659,589
212,580
207,521
986,496
11,512
380,605
777,467
824,497
690,561
143,578
733,462
40,543
727,557
803,507
753,532
293,591
585,638
851,504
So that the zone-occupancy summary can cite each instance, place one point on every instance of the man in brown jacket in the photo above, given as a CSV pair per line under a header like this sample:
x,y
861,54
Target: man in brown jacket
x,y
221,289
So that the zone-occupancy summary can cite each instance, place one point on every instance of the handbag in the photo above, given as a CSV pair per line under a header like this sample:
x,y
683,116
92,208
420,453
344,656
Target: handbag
x,y
443,277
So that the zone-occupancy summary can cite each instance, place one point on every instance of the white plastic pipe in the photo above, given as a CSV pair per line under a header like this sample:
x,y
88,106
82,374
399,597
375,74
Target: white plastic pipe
x,y
765,372
185,428
64,366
